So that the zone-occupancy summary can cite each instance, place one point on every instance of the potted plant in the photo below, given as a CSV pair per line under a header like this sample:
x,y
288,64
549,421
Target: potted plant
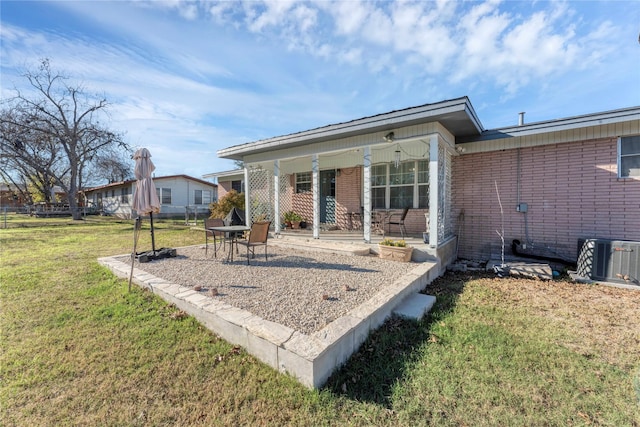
x,y
396,250
292,219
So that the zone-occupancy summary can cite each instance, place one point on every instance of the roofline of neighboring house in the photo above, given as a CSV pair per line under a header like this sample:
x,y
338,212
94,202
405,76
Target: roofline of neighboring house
x,y
575,122
155,178
457,115
225,174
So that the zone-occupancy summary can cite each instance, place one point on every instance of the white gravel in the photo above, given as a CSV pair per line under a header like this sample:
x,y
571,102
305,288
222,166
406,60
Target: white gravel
x,y
303,290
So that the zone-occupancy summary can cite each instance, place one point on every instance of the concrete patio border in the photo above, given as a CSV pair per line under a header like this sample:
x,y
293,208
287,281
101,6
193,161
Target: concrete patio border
x,y
309,358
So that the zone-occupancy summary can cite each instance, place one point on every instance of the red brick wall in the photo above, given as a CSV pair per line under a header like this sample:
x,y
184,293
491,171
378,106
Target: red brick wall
x,y
349,199
571,189
223,188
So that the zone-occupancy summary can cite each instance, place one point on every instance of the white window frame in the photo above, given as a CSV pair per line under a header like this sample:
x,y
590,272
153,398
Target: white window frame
x,y
205,197
621,141
303,179
125,192
160,192
237,185
387,185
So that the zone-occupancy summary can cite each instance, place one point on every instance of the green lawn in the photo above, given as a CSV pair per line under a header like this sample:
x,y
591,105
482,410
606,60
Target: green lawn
x,y
78,349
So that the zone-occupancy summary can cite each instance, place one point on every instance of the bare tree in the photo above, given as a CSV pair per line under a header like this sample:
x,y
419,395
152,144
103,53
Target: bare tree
x,y
110,166
55,132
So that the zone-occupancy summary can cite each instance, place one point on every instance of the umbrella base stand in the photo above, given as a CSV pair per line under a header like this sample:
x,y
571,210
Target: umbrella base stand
x,y
157,254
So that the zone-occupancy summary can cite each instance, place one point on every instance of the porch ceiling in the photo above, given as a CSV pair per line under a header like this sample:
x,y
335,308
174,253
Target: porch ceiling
x,y
457,116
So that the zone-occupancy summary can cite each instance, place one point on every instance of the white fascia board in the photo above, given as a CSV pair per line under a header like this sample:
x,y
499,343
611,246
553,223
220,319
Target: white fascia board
x,y
605,118
224,174
385,121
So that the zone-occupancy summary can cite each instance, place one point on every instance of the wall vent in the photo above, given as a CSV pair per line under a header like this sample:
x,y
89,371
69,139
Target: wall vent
x,y
616,261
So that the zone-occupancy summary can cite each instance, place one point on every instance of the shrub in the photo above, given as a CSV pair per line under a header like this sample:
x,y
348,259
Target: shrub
x,y
223,206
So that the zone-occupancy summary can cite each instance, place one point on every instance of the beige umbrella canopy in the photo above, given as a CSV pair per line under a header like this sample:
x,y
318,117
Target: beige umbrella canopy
x,y
145,198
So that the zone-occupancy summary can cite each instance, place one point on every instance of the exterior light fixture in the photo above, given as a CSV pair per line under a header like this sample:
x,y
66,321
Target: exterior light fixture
x,y
389,137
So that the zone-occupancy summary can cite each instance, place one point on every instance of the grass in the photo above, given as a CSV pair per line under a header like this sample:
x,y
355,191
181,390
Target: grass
x,y
78,349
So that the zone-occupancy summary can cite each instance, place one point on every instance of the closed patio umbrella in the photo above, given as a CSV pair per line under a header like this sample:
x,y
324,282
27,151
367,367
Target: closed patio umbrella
x,y
145,198
146,202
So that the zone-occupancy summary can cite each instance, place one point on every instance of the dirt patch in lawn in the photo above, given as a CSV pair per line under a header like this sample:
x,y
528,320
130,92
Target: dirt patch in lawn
x,y
602,321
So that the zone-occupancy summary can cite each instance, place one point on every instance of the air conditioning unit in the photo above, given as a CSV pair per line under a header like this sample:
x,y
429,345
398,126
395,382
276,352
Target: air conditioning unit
x,y
616,261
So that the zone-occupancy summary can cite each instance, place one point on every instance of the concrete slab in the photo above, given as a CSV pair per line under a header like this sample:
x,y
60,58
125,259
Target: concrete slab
x,y
309,358
415,306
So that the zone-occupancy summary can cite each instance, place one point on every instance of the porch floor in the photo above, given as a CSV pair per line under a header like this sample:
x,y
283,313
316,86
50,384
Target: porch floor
x,y
351,242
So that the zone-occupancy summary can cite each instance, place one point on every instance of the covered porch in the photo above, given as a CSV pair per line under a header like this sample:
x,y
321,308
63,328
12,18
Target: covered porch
x,y
359,176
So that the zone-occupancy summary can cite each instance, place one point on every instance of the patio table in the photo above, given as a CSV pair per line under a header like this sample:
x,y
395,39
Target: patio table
x,y
230,233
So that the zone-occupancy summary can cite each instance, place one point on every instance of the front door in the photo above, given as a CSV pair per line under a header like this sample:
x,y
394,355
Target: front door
x,y
328,197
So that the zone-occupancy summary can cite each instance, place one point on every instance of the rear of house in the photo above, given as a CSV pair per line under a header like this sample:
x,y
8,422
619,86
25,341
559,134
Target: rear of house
x,y
542,186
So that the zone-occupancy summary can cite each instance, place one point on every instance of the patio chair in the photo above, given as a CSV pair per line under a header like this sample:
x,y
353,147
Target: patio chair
x,y
213,222
258,236
399,222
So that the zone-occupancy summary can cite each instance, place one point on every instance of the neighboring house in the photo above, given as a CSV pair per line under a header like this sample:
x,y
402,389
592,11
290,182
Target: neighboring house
x,y
227,181
557,181
178,195
12,196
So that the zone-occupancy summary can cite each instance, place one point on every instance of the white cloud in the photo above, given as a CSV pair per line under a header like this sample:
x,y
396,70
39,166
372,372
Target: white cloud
x,y
213,74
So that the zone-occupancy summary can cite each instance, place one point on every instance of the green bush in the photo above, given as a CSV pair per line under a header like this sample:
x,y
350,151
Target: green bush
x,y
223,206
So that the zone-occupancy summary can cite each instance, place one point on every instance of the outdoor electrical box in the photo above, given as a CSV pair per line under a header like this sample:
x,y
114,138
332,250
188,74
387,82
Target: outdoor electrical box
x,y
522,207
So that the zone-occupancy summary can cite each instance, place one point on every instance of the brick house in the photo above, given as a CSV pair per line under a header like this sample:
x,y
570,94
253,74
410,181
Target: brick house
x,y
557,180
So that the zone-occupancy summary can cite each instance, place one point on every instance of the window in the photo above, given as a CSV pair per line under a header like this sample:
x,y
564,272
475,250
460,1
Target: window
x,y
202,197
237,185
398,187
303,182
124,194
164,194
629,159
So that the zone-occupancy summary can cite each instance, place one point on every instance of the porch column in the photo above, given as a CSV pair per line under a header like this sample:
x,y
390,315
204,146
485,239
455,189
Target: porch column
x,y
276,196
315,187
366,220
247,199
433,191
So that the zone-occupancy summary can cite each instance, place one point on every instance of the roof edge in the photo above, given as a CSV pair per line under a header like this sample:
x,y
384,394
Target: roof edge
x,y
131,181
593,119
389,119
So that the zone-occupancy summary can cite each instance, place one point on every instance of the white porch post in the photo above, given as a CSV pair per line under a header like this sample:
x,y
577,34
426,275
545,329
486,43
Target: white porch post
x,y
366,220
315,184
433,191
276,196
247,199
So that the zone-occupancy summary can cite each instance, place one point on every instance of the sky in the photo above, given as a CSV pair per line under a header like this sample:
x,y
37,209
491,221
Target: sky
x,y
187,78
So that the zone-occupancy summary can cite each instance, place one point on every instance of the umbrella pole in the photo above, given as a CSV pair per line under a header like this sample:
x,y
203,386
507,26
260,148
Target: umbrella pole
x,y
153,240
136,234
